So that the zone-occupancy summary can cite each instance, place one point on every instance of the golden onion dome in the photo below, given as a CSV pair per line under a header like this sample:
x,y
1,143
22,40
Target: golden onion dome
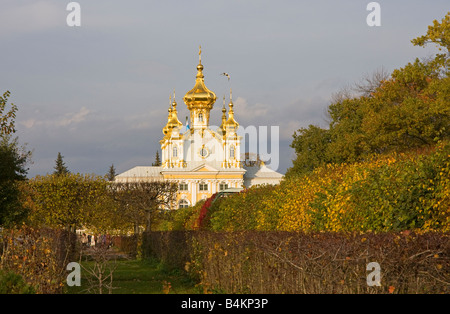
x,y
172,119
174,122
166,129
231,122
200,96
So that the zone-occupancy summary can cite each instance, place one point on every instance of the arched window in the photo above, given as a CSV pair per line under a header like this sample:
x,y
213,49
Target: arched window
x,y
183,204
200,117
175,151
232,152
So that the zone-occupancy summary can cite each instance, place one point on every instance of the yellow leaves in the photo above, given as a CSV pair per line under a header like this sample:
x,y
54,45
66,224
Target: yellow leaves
x,y
398,191
166,286
29,255
59,201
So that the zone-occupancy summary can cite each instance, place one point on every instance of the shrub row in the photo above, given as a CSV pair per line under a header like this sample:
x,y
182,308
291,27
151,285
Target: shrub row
x,y
39,256
390,193
286,262
126,244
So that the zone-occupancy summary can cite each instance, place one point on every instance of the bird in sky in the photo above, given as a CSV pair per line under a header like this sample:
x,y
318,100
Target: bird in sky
x,y
227,75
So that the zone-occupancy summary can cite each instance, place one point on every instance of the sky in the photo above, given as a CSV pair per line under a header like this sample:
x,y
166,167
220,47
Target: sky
x,y
99,93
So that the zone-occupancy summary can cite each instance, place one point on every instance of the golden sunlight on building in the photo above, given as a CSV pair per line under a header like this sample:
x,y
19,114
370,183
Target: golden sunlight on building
x,y
200,160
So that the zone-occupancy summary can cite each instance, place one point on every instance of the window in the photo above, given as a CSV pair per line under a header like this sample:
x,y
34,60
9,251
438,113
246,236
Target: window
x,y
183,186
183,204
232,152
200,117
223,186
175,152
203,186
204,152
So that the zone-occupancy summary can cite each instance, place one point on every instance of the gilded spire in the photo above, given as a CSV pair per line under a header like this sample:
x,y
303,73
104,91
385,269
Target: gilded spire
x,y
172,119
174,103
200,65
174,122
224,115
166,129
231,122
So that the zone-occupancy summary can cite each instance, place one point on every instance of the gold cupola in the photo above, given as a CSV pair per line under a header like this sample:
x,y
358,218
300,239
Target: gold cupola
x,y
200,97
166,128
221,129
172,119
231,122
174,122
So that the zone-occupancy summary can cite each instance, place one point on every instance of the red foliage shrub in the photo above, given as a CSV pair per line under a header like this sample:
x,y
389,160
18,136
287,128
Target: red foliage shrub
x,y
204,211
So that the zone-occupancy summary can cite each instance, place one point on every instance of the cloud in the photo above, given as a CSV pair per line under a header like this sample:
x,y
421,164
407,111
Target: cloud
x,y
73,118
290,117
69,119
29,123
248,111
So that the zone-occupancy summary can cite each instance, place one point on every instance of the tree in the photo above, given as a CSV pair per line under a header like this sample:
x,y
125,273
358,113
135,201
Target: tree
x,y
408,111
60,168
142,201
157,162
7,118
439,34
70,201
111,173
310,145
405,110
370,83
13,160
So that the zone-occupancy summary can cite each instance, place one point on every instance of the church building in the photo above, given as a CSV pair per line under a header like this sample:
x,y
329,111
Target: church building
x,y
202,161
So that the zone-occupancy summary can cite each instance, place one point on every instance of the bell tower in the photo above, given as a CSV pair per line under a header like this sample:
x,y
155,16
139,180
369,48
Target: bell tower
x,y
199,100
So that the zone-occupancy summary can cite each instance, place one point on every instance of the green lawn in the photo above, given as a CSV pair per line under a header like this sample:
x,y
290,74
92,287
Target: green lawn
x,y
141,277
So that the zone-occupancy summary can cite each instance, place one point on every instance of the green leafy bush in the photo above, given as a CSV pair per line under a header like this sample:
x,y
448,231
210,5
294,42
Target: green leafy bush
x,y
12,283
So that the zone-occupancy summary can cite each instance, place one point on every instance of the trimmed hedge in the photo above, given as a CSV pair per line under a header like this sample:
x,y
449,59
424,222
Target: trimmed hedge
x,y
39,256
173,248
394,192
126,244
286,262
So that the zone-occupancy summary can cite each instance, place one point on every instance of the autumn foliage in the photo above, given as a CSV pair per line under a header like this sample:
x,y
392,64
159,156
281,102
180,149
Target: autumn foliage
x,y
382,165
38,256
396,192
295,262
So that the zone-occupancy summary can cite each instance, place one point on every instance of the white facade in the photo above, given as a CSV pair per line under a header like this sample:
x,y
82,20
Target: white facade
x,y
201,160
